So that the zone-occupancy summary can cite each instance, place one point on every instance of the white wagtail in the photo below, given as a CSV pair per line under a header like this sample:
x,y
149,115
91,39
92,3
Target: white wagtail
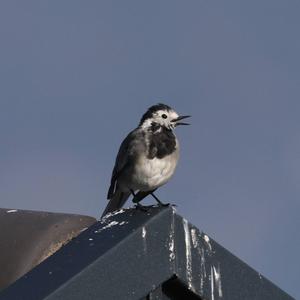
x,y
147,158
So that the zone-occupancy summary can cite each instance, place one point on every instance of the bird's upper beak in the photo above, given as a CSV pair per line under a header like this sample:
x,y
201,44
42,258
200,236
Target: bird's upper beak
x,y
179,119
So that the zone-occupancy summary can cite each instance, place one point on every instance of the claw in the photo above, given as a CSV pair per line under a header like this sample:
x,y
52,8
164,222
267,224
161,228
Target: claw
x,y
141,207
164,204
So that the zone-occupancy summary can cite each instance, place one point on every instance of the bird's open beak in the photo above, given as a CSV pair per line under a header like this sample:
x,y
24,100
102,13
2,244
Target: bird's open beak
x,y
179,119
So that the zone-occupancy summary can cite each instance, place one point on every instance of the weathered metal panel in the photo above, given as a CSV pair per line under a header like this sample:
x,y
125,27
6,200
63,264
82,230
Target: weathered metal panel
x,y
131,254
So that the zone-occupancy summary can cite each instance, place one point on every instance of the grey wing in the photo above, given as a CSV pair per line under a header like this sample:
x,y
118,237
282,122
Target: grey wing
x,y
125,156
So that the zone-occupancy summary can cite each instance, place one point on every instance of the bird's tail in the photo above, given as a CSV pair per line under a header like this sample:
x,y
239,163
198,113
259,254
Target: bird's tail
x,y
117,201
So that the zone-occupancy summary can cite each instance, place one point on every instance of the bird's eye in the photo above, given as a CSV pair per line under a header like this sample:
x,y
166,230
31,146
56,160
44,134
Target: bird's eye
x,y
164,116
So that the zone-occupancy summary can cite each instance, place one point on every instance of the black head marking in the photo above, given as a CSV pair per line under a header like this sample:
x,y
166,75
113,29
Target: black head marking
x,y
154,126
151,110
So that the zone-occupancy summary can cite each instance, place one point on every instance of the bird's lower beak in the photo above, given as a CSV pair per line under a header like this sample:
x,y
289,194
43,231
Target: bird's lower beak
x,y
179,119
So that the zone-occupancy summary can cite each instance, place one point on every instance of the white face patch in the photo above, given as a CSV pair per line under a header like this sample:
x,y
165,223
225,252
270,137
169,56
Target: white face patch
x,y
162,117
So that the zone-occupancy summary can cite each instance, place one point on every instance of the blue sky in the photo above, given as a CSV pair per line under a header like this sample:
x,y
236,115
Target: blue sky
x,y
76,76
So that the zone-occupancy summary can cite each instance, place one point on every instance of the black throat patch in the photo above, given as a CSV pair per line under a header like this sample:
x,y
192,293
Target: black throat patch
x,y
162,141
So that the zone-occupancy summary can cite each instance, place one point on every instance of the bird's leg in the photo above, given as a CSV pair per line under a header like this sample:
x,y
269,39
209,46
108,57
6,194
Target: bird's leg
x,y
158,201
137,198
140,196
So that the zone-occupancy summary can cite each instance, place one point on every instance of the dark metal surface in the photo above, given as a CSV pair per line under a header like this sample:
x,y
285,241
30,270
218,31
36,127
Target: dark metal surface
x,y
134,255
28,237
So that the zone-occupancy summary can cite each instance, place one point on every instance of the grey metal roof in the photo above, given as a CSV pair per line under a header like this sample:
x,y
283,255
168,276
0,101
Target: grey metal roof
x,y
136,255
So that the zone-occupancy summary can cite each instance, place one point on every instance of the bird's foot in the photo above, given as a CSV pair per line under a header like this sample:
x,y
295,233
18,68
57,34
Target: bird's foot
x,y
159,203
163,204
142,207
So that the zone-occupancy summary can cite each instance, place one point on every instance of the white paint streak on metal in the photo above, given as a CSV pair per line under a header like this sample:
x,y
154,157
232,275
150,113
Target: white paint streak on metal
x,y
144,233
207,240
217,276
109,225
188,253
194,237
172,238
212,291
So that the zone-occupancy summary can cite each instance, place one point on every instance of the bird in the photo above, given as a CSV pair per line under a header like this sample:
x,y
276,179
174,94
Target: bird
x,y
147,158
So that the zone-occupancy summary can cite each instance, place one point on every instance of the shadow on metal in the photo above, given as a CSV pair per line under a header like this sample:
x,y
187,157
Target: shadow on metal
x,y
173,289
131,254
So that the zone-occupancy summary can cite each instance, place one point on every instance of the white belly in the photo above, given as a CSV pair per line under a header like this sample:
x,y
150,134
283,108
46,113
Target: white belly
x,y
150,174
